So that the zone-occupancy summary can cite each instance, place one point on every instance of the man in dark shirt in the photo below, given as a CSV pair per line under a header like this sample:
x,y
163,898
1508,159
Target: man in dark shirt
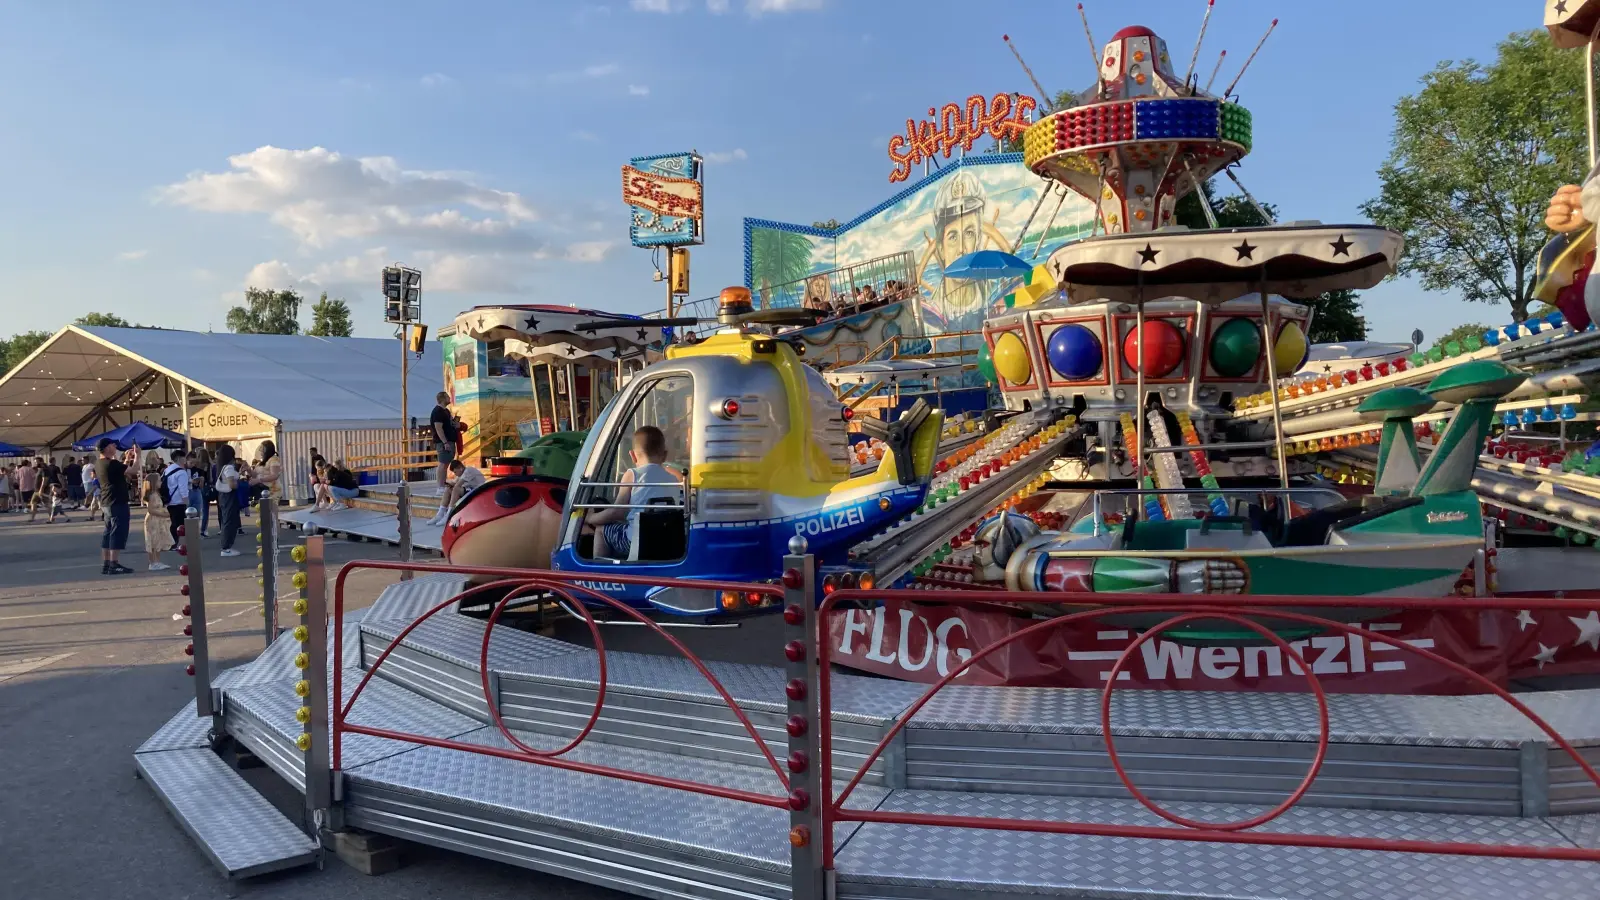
x,y
51,473
442,428
113,477
72,473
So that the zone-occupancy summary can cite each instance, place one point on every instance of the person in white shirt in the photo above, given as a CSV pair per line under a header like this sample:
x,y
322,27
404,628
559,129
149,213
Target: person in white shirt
x,y
227,488
648,480
91,492
467,480
175,478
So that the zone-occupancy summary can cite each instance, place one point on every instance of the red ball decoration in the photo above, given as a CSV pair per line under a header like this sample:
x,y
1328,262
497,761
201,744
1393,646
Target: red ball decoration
x,y
183,569
1162,351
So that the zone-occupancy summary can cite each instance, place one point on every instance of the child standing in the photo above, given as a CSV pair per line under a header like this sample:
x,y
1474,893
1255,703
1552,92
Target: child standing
x,y
155,520
57,496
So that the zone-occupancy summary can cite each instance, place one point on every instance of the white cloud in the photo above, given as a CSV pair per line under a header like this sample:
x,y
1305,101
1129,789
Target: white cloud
x,y
589,72
436,79
761,7
601,70
587,136
352,215
735,155
717,7
273,275
651,6
131,255
638,90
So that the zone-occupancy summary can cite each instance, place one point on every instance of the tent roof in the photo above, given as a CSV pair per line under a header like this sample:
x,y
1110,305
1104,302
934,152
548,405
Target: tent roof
x,y
299,381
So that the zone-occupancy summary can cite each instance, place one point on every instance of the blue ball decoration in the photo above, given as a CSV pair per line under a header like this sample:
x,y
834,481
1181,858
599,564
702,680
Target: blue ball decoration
x,y
1556,319
1492,338
1075,352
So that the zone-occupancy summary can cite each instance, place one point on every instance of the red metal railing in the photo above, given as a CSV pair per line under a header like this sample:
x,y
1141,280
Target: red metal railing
x,y
520,583
1183,609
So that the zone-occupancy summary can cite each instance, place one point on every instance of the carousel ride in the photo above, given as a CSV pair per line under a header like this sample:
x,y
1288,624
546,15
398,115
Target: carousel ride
x,y
1156,377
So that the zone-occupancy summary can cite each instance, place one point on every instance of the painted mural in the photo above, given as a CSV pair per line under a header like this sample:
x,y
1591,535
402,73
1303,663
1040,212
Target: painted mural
x,y
982,202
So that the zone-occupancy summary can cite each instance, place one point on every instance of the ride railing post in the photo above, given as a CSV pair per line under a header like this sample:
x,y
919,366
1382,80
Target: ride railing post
x,y
810,782
194,592
267,552
402,498
312,685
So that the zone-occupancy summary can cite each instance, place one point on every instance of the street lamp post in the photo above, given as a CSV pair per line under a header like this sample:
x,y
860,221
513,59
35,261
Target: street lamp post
x,y
402,307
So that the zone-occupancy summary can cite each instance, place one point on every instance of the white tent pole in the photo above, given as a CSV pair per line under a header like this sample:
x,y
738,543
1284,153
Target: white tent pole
x,y
183,394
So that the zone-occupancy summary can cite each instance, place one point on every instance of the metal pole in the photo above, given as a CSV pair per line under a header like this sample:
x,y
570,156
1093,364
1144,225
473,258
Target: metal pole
x,y
313,635
183,395
1052,223
268,553
195,589
1272,381
1588,85
403,495
555,404
810,788
1138,376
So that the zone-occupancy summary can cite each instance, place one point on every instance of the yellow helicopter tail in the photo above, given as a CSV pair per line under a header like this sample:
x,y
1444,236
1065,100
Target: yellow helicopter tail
x,y
913,441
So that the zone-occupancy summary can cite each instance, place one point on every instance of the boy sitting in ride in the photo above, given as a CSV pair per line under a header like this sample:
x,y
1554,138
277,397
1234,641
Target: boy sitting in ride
x,y
646,481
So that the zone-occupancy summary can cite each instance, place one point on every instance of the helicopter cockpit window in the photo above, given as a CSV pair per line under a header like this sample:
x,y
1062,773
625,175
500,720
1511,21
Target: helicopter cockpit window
x,y
665,403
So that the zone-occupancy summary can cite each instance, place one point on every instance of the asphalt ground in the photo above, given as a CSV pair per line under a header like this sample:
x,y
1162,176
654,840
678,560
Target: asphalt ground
x,y
90,666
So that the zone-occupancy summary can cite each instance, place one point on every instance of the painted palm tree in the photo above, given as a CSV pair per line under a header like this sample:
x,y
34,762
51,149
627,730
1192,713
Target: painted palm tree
x,y
777,257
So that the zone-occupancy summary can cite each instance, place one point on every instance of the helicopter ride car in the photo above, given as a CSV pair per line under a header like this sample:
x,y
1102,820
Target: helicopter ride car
x,y
758,439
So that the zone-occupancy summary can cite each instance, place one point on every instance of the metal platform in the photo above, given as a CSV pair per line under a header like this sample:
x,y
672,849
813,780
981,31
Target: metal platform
x,y
368,524
234,826
1435,768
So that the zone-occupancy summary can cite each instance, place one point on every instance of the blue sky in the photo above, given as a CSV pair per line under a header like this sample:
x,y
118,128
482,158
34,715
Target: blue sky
x,y
154,158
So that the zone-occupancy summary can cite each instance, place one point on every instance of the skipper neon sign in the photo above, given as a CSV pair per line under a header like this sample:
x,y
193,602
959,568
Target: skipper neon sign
x,y
954,125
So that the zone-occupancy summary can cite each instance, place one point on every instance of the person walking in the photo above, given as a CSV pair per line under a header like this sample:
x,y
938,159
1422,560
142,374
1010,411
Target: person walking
x,y
442,428
113,478
156,516
27,484
175,481
72,478
91,489
227,487
200,487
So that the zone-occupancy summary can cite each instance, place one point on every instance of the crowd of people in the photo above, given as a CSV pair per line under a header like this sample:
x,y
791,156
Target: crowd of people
x,y
861,298
165,484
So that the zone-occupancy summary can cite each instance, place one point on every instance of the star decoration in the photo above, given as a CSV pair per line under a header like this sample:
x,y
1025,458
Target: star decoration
x,y
1588,630
1524,619
1545,655
1341,247
641,334
1244,250
480,323
571,350
1148,254
1561,8
533,323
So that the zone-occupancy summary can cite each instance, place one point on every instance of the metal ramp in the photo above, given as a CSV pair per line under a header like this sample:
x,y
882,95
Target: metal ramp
x,y
233,825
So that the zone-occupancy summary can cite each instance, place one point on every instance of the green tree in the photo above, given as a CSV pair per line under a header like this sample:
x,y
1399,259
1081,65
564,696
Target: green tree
x,y
330,318
826,225
1461,333
1477,154
1338,318
104,320
16,349
266,312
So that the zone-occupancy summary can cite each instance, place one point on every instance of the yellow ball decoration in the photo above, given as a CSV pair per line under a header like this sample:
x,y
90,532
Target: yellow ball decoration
x,y
1011,359
303,715
259,567
299,580
258,537
298,554
302,688
258,553
301,633
1289,349
300,607
301,660
303,742
261,581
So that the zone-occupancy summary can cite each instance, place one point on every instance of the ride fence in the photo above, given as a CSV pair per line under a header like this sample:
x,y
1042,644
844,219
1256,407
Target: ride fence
x,y
815,807
1181,610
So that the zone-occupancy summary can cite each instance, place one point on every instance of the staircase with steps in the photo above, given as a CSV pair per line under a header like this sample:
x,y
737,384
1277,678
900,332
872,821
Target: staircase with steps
x,y
1399,767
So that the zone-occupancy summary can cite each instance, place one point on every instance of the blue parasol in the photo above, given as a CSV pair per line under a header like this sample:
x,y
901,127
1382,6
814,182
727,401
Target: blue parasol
x,y
13,450
139,434
987,264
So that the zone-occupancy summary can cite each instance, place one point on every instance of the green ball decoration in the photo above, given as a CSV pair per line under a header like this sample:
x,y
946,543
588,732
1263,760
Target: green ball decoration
x,y
1235,347
1453,348
986,364
1419,359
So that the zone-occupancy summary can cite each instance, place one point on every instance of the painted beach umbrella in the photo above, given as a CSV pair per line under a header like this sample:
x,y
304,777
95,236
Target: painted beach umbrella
x,y
987,264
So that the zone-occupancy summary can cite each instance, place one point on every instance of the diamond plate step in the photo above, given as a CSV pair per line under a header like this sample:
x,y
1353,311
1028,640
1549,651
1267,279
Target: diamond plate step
x,y
234,826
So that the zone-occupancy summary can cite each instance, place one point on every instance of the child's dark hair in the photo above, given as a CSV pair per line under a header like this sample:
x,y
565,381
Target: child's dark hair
x,y
651,441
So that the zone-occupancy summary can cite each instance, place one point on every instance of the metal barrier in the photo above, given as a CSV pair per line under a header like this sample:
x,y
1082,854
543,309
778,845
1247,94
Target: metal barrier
x,y
520,583
1184,608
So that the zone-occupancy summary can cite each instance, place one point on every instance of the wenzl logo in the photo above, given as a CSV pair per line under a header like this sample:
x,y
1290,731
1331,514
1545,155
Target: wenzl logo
x,y
1330,654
